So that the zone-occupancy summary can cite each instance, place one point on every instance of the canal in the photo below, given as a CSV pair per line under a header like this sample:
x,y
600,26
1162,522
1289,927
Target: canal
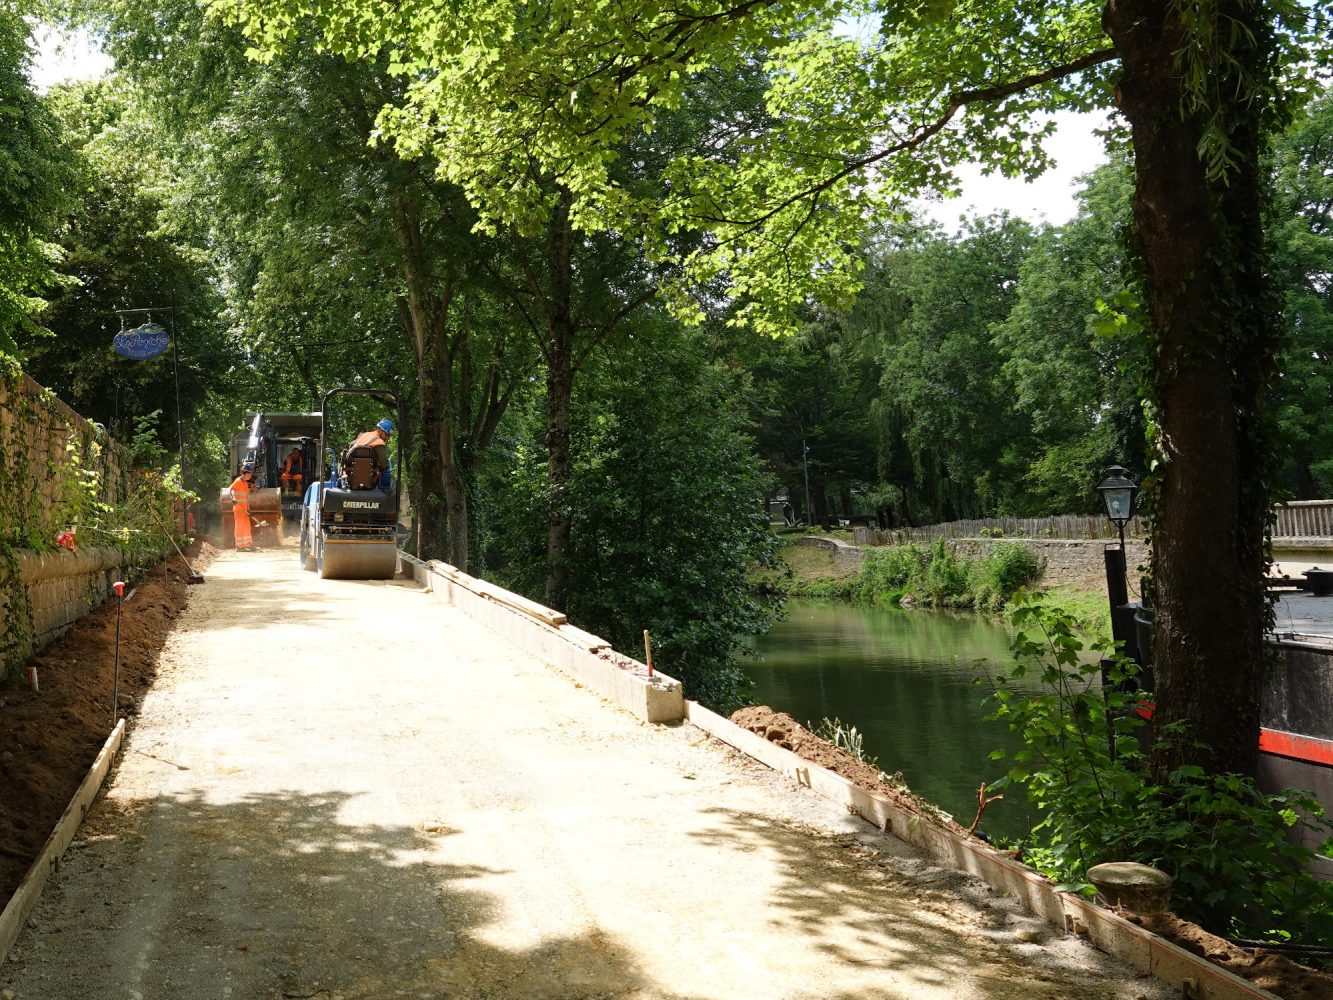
x,y
905,679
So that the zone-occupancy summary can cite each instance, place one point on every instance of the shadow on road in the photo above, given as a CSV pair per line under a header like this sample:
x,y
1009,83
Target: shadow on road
x,y
825,885
277,896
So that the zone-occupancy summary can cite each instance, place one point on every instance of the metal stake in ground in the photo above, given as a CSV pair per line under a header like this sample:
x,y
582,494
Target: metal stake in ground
x,y
119,585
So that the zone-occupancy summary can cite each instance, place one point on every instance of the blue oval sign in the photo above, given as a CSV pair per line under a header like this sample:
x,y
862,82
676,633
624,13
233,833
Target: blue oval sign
x,y
142,343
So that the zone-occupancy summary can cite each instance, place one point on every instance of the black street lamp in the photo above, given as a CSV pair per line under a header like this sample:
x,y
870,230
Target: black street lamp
x,y
1119,492
805,462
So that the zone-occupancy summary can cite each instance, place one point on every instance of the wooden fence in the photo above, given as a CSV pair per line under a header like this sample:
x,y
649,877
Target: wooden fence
x,y
1299,519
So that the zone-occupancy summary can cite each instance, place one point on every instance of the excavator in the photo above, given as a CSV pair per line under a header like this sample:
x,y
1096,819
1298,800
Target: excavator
x,y
283,449
349,521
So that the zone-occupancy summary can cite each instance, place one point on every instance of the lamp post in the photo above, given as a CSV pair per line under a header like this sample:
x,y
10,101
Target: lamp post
x,y
171,311
805,461
1118,492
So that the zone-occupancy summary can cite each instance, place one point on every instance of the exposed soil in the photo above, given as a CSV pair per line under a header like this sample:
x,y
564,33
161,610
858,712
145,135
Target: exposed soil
x,y
1275,973
786,732
48,739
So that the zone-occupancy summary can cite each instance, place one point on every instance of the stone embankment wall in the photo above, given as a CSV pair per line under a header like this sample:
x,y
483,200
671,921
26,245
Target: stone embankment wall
x,y
1069,563
61,472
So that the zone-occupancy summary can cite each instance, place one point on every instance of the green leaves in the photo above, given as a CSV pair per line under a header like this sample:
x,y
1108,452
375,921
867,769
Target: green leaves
x,y
1223,841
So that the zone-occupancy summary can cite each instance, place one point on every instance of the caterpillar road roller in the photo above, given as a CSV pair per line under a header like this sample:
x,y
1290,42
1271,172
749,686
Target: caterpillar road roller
x,y
349,523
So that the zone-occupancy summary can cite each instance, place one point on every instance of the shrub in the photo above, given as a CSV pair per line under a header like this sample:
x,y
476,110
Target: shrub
x,y
1223,841
886,573
945,580
1001,573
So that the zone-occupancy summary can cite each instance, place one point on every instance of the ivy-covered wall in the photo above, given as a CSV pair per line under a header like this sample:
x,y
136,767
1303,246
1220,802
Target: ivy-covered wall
x,y
73,516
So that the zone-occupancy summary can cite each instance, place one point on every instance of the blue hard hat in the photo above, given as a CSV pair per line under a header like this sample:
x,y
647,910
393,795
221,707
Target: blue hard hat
x,y
386,425
248,467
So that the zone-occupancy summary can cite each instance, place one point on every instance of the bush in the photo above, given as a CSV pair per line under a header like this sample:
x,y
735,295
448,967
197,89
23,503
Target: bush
x,y
936,576
1223,841
944,584
1001,573
886,573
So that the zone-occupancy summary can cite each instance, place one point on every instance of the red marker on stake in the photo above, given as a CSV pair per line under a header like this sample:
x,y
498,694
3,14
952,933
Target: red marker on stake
x,y
119,586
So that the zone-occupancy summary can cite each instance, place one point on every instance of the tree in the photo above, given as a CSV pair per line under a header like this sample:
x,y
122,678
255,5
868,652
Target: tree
x,y
666,499
32,179
309,214
1301,229
1072,380
1201,85
942,368
115,255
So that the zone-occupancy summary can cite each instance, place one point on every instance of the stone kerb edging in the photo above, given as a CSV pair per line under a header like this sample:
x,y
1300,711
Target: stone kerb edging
x,y
1197,978
547,635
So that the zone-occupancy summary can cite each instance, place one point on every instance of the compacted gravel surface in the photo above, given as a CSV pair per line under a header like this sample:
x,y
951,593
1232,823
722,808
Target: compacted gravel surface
x,y
345,790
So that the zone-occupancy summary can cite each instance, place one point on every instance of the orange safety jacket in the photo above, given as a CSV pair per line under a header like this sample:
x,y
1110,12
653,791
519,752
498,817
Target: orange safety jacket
x,y
241,490
377,442
291,465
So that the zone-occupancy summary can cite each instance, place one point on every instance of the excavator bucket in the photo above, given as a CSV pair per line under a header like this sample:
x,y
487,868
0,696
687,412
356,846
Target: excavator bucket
x,y
266,509
265,517
358,560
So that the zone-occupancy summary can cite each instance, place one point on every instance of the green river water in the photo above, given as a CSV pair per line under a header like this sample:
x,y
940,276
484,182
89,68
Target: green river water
x,y
905,680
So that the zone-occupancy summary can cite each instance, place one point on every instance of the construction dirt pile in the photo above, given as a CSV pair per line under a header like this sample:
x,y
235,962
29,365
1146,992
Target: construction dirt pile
x,y
48,739
784,731
1275,973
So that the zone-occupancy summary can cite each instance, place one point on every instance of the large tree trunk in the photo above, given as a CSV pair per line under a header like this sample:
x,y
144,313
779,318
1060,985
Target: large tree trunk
x,y
559,392
455,499
432,526
1207,299
442,527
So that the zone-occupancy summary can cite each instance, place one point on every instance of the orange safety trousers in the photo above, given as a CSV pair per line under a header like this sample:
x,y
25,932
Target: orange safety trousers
x,y
241,512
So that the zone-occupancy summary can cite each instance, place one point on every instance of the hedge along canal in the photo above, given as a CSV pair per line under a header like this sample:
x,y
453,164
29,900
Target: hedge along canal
x,y
905,680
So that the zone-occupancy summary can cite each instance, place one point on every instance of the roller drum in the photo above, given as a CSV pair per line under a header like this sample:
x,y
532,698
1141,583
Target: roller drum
x,y
354,560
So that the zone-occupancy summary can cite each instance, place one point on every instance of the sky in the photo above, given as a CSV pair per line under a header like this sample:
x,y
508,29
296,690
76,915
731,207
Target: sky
x,y
65,56
1076,150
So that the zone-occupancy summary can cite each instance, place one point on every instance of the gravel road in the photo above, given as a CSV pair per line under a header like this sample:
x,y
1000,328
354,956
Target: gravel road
x,y
345,790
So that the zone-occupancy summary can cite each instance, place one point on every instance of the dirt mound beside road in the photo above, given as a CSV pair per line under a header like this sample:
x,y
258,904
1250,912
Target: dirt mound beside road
x,y
48,740
781,729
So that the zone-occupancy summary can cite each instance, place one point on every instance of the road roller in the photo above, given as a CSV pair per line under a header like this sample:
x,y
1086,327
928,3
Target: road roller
x,y
349,522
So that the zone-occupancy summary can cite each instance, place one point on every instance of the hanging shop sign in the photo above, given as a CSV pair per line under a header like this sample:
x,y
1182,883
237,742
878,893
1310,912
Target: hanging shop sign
x,y
141,343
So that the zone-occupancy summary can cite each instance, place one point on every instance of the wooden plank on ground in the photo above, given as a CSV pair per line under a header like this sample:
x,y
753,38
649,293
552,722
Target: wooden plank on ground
x,y
26,895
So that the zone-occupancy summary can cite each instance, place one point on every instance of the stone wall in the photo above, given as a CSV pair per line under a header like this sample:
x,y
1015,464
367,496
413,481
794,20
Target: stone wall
x,y
63,472
1077,564
1069,563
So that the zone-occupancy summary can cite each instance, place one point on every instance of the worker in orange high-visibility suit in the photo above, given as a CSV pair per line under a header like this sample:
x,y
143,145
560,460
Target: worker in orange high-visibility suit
x,y
291,473
241,488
